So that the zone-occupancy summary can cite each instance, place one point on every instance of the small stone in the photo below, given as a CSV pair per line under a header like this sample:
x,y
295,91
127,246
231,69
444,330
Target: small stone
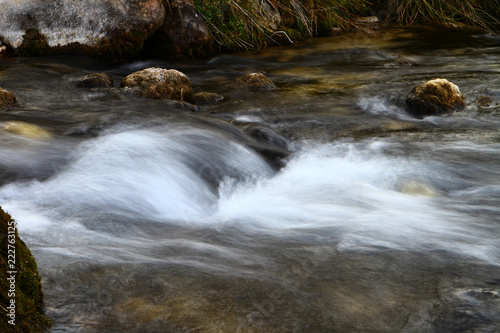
x,y
255,81
96,80
159,83
483,101
7,99
435,97
3,49
207,98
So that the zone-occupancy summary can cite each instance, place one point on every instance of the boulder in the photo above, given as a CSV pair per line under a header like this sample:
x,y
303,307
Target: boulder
x,y
183,34
7,99
435,97
95,80
113,30
207,98
24,283
159,83
255,81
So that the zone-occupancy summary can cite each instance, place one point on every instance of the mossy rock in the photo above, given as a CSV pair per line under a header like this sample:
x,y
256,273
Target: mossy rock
x,y
96,80
34,44
28,288
159,83
122,47
118,49
204,97
255,82
435,97
7,99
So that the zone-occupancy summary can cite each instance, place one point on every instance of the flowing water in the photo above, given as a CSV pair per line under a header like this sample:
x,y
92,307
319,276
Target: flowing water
x,y
146,217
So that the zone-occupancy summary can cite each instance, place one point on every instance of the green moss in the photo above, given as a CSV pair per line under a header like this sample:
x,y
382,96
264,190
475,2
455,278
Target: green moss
x,y
28,292
122,47
33,44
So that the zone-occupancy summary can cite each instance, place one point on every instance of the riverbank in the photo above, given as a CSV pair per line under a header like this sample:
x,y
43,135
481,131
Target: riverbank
x,y
183,29
251,24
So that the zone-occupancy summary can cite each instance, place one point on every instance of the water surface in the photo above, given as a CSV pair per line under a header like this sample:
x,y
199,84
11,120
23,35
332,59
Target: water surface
x,y
144,217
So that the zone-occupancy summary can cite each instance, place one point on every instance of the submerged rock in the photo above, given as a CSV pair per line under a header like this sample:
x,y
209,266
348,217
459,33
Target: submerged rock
x,y
113,30
159,83
25,129
183,34
7,99
435,97
264,140
96,80
483,101
413,187
207,98
22,288
255,81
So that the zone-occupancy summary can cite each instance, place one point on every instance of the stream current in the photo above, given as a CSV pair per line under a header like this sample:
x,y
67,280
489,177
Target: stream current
x,y
144,217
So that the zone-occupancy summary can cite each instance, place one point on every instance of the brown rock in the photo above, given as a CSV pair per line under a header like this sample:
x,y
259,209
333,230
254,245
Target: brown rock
x,y
435,97
207,98
483,101
255,81
27,130
96,80
7,99
159,83
183,34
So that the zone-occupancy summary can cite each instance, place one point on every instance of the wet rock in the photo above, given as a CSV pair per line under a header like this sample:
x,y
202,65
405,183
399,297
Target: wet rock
x,y
7,99
3,48
255,82
435,97
483,101
183,34
113,30
34,44
367,24
96,80
182,105
27,289
413,187
207,98
271,145
25,129
159,83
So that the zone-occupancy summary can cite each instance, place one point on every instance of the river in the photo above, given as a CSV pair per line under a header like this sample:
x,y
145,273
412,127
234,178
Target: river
x,y
144,217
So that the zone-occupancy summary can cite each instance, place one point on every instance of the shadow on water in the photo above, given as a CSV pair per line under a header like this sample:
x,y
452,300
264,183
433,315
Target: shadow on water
x,y
146,217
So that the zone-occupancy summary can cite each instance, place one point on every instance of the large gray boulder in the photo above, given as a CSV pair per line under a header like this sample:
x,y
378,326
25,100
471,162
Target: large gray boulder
x,y
112,29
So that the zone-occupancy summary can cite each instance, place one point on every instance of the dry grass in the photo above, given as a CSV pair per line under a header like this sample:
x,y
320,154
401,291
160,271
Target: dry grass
x,y
253,24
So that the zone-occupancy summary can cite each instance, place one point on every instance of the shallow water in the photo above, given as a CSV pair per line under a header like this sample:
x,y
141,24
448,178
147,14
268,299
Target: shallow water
x,y
145,217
